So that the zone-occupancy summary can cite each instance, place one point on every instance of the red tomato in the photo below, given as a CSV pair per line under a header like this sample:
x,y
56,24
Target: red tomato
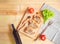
x,y
43,37
31,10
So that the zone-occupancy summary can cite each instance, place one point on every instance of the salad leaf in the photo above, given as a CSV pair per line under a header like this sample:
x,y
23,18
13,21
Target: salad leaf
x,y
47,14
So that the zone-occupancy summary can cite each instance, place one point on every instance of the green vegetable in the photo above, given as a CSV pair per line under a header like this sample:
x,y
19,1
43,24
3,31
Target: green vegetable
x,y
48,14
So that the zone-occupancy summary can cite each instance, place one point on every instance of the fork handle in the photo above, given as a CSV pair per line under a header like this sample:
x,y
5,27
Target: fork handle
x,y
41,33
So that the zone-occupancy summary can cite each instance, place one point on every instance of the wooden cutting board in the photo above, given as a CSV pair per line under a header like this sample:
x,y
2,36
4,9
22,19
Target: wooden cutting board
x,y
4,31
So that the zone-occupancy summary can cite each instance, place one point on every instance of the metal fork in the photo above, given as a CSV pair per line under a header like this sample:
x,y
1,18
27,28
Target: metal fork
x,y
49,23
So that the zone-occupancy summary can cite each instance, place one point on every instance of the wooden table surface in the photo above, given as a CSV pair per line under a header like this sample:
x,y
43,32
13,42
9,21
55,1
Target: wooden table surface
x,y
6,36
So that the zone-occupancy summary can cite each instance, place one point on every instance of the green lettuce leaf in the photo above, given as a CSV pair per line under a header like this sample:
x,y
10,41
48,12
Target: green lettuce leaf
x,y
47,14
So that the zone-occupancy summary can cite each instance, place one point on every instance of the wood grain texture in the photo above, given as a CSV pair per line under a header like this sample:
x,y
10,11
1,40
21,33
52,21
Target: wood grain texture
x,y
21,5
